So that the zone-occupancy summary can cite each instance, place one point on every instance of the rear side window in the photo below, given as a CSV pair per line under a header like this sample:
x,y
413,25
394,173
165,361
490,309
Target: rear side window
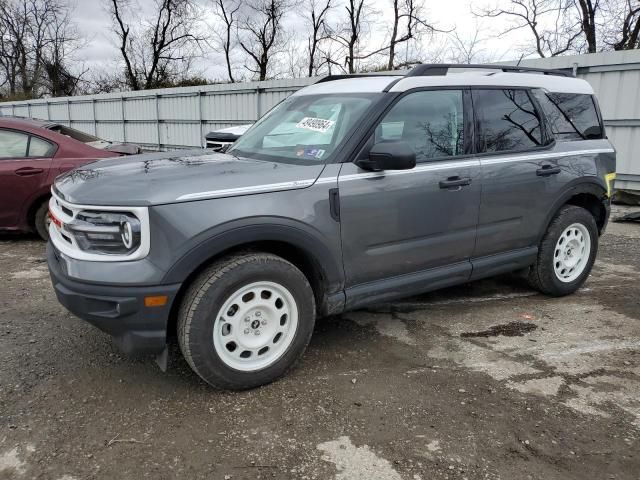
x,y
571,115
507,120
13,144
40,148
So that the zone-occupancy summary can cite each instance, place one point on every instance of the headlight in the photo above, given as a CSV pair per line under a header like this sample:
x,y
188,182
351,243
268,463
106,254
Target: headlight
x,y
110,233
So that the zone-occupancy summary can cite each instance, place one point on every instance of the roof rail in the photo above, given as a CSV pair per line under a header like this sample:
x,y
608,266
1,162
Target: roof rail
x,y
330,78
429,69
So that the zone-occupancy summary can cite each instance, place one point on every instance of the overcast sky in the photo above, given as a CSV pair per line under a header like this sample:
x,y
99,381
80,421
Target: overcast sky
x,y
101,52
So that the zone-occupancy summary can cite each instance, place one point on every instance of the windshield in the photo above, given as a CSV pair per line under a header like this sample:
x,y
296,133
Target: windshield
x,y
304,129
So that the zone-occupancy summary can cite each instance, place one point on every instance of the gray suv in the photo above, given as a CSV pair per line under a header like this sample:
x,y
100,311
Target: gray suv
x,y
351,191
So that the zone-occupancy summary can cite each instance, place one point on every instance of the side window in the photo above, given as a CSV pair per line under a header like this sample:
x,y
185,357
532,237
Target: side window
x,y
40,148
432,122
13,144
571,115
507,120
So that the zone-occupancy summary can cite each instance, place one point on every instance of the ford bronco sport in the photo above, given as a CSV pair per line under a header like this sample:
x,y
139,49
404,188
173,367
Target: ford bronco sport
x,y
349,192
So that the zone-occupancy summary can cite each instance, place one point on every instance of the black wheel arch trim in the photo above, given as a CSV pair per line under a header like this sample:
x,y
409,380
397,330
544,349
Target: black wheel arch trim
x,y
254,230
593,186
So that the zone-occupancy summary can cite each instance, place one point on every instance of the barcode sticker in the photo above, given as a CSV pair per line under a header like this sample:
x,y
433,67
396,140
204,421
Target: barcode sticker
x,y
316,124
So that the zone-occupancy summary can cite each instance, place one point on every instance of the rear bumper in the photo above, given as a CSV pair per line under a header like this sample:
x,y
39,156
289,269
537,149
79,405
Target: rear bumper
x,y
115,309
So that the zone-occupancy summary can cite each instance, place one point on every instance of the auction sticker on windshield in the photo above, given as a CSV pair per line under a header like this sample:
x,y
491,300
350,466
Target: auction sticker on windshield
x,y
316,124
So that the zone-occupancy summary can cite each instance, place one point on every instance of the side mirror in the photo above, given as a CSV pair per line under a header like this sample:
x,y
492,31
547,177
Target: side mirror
x,y
392,155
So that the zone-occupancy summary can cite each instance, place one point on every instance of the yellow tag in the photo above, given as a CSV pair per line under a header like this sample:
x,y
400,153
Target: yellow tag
x,y
610,178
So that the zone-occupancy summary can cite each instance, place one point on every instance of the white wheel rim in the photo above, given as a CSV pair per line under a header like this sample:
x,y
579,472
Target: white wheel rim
x,y
255,326
572,252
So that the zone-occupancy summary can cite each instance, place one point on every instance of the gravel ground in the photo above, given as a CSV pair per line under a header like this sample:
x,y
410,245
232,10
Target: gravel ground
x,y
487,380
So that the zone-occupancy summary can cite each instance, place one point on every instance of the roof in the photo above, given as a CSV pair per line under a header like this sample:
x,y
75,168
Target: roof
x,y
452,75
493,78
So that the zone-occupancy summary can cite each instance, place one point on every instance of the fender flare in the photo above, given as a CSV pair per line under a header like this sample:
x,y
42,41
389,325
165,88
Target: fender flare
x,y
589,186
261,229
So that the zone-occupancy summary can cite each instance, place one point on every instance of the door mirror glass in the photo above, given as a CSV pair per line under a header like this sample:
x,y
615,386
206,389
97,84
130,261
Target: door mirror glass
x,y
391,155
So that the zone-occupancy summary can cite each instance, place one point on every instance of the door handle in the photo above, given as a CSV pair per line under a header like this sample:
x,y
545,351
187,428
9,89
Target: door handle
x,y
548,170
455,182
28,171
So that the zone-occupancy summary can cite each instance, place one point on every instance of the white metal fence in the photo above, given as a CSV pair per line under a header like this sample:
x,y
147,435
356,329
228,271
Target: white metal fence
x,y
164,118
180,117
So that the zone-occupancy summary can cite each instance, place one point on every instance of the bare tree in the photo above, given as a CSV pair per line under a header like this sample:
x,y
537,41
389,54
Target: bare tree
x,y
227,12
629,32
468,49
587,11
261,34
408,24
13,42
553,29
294,63
350,33
316,17
36,39
63,41
160,53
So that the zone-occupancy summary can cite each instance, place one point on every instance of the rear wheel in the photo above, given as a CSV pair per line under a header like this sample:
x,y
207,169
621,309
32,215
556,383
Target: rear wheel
x,y
246,320
567,252
42,220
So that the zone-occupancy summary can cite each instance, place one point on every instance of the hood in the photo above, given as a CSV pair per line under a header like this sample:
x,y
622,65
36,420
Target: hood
x,y
169,177
231,132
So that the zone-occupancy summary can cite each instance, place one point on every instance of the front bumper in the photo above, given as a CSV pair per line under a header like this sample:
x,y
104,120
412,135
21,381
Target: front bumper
x,y
115,309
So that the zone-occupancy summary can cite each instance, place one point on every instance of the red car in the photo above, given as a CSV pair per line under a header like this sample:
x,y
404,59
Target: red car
x,y
32,155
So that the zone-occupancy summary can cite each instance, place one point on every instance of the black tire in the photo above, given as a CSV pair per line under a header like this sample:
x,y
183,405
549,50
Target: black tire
x,y
542,275
207,295
41,220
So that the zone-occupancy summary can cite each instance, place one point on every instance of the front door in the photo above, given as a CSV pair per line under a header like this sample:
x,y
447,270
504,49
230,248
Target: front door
x,y
406,231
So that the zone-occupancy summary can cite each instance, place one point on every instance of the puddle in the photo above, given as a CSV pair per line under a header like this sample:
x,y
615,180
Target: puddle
x,y
511,329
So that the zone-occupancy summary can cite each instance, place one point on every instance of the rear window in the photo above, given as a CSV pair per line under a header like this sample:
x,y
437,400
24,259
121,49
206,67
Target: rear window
x,y
508,120
571,115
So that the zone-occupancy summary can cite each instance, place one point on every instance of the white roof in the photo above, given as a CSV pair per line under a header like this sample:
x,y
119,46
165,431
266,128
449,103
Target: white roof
x,y
552,83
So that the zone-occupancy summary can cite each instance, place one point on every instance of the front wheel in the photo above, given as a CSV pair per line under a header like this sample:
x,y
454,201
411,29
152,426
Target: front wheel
x,y
567,252
246,320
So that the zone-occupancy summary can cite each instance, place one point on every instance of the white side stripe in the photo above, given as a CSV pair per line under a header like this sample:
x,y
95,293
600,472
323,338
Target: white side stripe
x,y
419,168
436,166
425,167
271,187
541,156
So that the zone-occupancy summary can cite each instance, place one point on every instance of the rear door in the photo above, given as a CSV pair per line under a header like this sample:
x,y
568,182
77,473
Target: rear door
x,y
408,230
520,174
25,161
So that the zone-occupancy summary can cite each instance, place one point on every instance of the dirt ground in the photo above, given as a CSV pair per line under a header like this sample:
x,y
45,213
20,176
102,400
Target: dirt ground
x,y
483,381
